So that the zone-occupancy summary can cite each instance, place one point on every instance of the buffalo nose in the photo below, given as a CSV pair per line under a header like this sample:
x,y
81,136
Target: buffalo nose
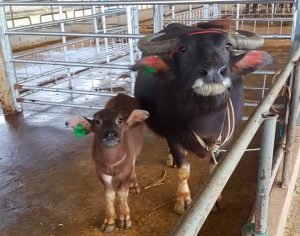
x,y
213,74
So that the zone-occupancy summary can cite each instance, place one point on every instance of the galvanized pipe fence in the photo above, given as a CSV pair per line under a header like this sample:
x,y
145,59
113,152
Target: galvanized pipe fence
x,y
112,50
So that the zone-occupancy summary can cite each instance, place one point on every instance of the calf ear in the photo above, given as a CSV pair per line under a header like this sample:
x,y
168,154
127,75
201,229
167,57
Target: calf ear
x,y
251,61
136,116
86,123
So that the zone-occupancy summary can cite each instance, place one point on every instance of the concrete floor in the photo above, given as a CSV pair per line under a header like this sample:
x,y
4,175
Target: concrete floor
x,y
49,186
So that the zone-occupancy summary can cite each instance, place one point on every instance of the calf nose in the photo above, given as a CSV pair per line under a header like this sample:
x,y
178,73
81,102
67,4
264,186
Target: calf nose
x,y
110,135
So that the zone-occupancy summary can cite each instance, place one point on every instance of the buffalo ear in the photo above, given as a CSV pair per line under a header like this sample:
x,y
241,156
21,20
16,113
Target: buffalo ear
x,y
86,123
251,61
136,116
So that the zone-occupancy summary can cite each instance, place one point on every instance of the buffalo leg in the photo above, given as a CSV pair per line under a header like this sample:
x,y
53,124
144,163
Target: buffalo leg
x,y
110,214
170,160
124,218
183,192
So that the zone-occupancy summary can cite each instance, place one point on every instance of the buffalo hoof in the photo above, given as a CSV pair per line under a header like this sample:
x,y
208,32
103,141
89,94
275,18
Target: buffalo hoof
x,y
181,206
170,161
134,188
124,224
107,228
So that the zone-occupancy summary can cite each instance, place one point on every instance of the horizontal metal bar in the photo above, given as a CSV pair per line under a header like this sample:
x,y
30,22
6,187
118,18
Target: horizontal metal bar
x,y
81,18
76,64
62,104
276,36
255,88
129,36
136,2
191,222
63,68
65,44
232,19
264,72
51,48
61,90
247,150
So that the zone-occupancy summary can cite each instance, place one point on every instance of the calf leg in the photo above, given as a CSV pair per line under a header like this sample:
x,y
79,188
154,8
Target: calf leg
x,y
183,192
134,186
110,214
124,218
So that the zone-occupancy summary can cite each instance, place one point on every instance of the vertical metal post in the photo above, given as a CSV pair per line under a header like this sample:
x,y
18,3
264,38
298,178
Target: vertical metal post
x,y
158,18
130,44
293,109
190,13
296,26
296,32
62,29
264,173
8,95
237,15
173,13
64,41
206,11
95,28
216,11
136,30
103,19
12,16
291,126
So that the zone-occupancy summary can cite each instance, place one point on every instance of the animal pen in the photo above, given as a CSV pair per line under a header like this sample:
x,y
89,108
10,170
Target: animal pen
x,y
87,50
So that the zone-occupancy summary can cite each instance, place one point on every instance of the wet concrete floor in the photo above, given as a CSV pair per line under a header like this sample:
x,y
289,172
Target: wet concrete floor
x,y
48,184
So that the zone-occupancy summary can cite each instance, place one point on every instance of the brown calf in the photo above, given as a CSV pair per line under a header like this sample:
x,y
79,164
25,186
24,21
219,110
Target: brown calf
x,y
117,142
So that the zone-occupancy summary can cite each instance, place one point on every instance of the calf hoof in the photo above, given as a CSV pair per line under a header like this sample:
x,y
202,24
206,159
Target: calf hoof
x,y
107,228
124,224
134,188
181,206
170,161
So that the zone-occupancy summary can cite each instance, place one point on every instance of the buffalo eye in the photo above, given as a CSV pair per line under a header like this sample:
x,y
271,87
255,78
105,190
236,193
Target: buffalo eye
x,y
228,46
182,49
203,71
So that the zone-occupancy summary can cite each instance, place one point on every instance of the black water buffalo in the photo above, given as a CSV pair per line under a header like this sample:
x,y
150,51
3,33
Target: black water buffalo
x,y
190,81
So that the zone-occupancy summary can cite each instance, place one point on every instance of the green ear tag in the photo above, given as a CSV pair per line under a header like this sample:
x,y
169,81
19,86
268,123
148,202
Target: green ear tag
x,y
79,131
149,70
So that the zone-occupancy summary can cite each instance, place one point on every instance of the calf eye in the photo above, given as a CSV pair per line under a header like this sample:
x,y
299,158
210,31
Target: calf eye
x,y
98,122
120,120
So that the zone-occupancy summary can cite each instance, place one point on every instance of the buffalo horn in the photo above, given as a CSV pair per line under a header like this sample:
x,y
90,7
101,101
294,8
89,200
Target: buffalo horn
x,y
150,45
245,40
